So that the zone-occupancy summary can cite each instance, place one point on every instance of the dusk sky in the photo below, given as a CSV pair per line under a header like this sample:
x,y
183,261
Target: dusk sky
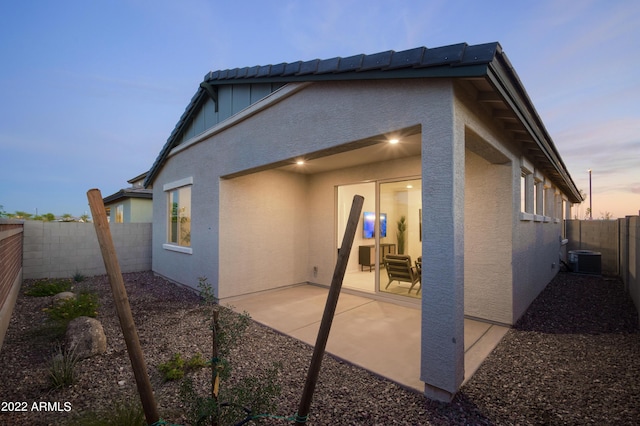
x,y
91,90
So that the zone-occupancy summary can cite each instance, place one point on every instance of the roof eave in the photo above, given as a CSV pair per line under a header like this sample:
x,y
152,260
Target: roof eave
x,y
504,79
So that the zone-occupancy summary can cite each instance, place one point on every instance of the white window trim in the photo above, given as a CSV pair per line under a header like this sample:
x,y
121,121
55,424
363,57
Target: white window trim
x,y
178,183
170,186
179,249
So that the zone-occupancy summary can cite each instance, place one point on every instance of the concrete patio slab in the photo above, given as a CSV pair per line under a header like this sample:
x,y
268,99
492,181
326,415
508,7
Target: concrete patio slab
x,y
380,336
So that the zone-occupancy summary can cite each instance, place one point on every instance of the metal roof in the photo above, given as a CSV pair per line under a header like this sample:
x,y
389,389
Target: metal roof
x,y
485,66
128,193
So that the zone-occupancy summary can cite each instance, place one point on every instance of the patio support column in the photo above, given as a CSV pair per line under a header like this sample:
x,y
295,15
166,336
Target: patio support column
x,y
443,162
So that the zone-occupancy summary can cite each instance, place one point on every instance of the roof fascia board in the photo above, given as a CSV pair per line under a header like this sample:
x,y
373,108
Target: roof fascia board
x,y
501,78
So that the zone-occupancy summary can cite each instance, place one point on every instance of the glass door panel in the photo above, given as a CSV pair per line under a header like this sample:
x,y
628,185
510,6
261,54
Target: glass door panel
x,y
360,273
401,208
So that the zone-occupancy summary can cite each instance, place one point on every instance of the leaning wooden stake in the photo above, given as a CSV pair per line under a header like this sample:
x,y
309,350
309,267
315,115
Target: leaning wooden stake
x,y
122,305
329,310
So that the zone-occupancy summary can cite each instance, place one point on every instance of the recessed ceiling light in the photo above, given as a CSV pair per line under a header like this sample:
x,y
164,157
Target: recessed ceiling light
x,y
393,141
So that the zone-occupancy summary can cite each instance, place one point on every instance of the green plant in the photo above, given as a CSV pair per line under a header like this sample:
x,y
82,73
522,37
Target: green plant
x,y
124,413
48,287
400,233
244,398
78,277
177,366
61,368
85,305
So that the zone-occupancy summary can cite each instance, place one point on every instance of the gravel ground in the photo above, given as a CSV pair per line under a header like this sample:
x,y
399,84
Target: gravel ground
x,y
574,358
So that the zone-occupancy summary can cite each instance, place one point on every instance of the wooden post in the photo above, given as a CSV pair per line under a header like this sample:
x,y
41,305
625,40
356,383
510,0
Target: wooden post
x,y
122,305
329,310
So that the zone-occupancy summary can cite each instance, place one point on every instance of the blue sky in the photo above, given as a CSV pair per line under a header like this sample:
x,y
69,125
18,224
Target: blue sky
x,y
91,90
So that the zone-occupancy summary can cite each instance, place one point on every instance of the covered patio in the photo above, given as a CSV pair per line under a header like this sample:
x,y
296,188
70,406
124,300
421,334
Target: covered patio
x,y
365,330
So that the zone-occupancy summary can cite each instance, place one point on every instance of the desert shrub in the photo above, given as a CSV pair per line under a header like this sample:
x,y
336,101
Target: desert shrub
x,y
85,305
48,287
177,366
124,413
78,277
235,400
61,368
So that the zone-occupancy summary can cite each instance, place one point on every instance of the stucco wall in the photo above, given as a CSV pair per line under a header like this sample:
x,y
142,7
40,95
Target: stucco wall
x,y
292,127
264,222
488,233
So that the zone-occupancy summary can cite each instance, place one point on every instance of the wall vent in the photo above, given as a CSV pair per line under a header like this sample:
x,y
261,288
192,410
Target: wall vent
x,y
585,262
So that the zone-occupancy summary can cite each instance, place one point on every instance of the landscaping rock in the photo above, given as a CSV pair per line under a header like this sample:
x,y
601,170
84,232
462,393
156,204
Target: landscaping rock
x,y
85,336
61,297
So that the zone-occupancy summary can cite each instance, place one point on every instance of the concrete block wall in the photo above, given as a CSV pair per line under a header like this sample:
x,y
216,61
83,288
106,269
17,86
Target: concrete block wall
x,y
10,269
630,257
597,235
60,249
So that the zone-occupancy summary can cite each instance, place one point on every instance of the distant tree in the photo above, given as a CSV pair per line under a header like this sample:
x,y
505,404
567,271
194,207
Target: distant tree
x,y
587,213
606,216
67,217
22,215
84,218
2,212
49,217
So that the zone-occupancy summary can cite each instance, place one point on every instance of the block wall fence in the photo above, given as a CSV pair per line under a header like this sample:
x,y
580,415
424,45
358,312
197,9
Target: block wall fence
x,y
62,249
618,241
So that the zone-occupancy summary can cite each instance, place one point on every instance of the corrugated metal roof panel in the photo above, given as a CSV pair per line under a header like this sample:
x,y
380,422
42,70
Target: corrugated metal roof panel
x,y
407,58
278,69
292,68
352,63
253,71
443,55
328,65
479,54
264,71
309,67
376,61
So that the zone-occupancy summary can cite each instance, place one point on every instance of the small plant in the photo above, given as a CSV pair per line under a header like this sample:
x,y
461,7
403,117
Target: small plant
x,y
78,277
85,305
177,366
48,287
61,369
245,399
124,413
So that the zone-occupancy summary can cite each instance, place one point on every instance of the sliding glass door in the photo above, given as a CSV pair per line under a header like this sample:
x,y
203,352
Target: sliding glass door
x,y
389,225
401,204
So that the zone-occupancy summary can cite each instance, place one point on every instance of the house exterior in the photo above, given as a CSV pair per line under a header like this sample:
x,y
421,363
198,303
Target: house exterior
x,y
131,205
253,187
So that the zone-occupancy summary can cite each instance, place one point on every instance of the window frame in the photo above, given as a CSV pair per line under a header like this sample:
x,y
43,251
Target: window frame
x,y
170,189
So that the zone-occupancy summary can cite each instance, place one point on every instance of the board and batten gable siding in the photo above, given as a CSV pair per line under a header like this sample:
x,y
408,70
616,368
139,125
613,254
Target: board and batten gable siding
x,y
232,99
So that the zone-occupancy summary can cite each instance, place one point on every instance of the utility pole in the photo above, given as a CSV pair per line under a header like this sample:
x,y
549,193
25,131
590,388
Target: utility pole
x,y
590,199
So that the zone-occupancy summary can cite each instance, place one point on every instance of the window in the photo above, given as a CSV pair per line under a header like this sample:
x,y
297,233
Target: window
x,y
120,213
539,196
527,189
179,215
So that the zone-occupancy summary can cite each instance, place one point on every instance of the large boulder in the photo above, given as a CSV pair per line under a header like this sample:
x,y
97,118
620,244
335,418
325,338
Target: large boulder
x,y
62,297
85,336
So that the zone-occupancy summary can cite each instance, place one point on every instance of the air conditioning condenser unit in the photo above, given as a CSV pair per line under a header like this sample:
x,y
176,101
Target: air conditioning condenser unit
x,y
585,262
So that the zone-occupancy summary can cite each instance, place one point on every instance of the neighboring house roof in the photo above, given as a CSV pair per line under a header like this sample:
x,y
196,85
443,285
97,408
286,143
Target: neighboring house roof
x,y
484,65
128,193
138,178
